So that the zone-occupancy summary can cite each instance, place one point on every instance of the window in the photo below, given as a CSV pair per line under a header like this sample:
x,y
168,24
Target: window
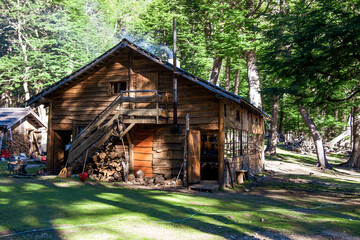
x,y
244,142
238,115
116,87
233,144
251,143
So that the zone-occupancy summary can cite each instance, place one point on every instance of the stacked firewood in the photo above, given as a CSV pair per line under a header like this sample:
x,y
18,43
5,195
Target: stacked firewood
x,y
18,144
107,164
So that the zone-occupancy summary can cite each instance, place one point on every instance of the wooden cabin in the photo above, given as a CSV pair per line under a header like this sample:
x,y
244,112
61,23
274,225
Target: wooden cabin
x,y
128,92
21,131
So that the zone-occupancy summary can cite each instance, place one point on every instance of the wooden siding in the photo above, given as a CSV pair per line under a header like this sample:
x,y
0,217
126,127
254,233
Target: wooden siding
x,y
200,103
244,119
168,151
143,151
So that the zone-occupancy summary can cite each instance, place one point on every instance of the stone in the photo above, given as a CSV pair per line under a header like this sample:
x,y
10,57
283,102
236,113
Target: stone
x,y
140,174
131,178
149,180
159,179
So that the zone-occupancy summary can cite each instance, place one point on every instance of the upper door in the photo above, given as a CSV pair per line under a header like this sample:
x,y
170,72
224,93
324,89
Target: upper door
x,y
146,81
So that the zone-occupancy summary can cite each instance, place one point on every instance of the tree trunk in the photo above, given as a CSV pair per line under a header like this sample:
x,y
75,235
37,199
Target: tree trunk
x,y
216,70
24,50
354,161
271,147
237,82
319,146
253,79
281,120
227,74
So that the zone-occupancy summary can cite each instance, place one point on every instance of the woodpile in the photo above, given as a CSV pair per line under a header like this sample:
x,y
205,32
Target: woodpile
x,y
18,144
107,164
154,182
305,145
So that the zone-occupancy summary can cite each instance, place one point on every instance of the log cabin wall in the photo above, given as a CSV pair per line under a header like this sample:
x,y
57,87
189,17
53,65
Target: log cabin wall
x,y
200,103
243,139
168,150
73,108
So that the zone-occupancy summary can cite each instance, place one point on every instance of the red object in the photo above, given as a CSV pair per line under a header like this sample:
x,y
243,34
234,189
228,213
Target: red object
x,y
43,159
83,176
5,154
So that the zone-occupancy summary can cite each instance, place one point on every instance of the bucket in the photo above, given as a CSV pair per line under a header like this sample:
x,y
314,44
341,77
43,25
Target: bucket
x,y
83,176
5,154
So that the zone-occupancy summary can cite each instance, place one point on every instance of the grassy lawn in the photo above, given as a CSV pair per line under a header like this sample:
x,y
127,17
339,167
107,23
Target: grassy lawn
x,y
278,209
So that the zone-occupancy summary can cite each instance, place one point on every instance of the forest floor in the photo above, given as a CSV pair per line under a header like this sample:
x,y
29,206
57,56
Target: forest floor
x,y
291,200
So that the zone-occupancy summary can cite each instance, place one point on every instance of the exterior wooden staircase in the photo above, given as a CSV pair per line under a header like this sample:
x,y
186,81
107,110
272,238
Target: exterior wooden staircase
x,y
117,120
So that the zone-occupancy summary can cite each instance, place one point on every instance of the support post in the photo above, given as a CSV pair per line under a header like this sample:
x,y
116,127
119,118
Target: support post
x,y
50,145
221,144
131,79
130,138
187,128
174,73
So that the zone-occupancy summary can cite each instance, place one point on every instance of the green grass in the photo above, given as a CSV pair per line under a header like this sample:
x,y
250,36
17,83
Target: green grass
x,y
120,213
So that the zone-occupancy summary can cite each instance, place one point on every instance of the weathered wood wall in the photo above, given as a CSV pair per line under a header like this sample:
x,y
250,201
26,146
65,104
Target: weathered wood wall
x,y
143,150
242,118
200,103
167,151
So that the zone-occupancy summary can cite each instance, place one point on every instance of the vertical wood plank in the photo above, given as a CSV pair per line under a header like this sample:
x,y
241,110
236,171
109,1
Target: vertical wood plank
x,y
194,156
131,79
49,148
187,128
130,138
221,144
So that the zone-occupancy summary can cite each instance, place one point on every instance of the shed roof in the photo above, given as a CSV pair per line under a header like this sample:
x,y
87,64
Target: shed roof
x,y
11,116
101,60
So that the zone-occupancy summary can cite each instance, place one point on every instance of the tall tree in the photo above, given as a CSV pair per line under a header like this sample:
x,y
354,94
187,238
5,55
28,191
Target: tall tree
x,y
320,60
319,146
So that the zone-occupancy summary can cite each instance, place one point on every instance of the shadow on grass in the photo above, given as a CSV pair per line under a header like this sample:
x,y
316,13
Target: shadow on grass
x,y
32,204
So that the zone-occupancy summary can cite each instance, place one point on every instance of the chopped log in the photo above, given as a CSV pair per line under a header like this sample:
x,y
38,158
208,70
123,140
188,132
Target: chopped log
x,y
338,138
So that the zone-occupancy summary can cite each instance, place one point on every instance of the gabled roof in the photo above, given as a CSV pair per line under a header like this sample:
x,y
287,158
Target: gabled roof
x,y
11,116
99,62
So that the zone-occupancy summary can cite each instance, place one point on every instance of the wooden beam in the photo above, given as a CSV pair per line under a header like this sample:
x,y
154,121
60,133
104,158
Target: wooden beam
x,y
144,112
221,144
187,129
127,130
144,99
130,138
50,144
143,121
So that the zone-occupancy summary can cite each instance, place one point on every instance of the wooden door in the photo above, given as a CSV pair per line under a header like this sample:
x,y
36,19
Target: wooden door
x,y
146,81
194,150
143,151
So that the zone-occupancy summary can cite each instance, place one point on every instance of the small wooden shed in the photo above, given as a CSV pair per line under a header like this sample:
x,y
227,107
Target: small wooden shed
x,y
21,131
129,92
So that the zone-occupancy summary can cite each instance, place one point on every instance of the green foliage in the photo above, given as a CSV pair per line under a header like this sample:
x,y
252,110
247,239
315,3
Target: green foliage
x,y
312,50
46,41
